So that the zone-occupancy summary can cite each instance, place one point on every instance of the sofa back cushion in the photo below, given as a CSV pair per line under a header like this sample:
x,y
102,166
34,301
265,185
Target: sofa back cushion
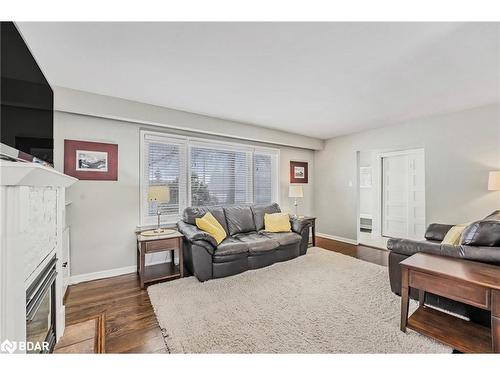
x,y
259,210
239,219
494,216
482,233
437,232
192,213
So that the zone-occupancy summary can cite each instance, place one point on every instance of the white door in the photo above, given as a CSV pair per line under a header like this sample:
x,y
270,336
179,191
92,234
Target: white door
x,y
403,194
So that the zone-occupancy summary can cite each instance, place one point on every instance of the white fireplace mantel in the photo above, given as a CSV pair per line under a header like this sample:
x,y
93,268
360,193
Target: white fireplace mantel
x,y
32,174
32,202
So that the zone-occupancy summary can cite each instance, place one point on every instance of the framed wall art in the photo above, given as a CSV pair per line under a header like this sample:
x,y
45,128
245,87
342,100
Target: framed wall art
x,y
299,173
91,160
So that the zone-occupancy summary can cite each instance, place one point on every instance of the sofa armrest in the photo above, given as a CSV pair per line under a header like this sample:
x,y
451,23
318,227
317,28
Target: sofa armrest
x,y
298,225
409,247
437,232
197,236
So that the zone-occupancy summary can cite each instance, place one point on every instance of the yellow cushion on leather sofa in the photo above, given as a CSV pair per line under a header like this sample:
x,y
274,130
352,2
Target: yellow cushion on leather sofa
x,y
208,223
277,222
453,235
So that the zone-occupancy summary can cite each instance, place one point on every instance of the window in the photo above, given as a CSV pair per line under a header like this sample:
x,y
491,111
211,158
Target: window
x,y
164,164
203,172
220,177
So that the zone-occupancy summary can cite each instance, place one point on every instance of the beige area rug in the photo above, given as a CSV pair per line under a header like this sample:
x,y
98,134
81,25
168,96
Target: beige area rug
x,y
323,302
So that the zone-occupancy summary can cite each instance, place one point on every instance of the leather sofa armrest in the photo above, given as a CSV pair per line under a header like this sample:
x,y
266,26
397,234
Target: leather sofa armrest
x,y
197,236
437,232
298,225
409,247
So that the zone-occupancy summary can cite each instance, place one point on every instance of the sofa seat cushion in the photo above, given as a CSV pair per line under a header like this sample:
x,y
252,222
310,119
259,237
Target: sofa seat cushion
x,y
239,219
257,243
231,246
283,239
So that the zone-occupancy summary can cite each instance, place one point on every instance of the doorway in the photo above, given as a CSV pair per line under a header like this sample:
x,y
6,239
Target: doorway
x,y
391,196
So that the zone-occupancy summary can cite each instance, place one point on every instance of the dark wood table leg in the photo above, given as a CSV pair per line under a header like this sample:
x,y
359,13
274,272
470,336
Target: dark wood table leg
x,y
495,320
313,228
421,297
142,263
181,258
404,298
138,257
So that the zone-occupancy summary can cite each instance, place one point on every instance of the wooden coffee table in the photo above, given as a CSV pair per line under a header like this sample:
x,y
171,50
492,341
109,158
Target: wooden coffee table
x,y
472,283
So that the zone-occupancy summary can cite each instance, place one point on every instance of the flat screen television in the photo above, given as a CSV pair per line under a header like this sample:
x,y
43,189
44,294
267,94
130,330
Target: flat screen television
x,y
27,101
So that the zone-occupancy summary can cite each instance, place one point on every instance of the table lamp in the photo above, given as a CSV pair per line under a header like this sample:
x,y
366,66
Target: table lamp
x,y
159,194
295,191
494,181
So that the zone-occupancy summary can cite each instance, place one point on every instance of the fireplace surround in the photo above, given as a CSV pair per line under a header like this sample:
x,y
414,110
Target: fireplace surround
x,y
32,198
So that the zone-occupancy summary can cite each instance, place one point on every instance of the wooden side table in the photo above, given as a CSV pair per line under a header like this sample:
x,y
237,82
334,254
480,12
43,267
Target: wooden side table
x,y
162,271
472,283
312,220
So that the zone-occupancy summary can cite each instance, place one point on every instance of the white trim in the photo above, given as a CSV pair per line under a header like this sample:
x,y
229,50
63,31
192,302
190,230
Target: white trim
x,y
101,274
337,238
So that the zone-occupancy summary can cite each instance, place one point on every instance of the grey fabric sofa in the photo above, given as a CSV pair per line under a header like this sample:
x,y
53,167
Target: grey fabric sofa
x,y
247,246
480,242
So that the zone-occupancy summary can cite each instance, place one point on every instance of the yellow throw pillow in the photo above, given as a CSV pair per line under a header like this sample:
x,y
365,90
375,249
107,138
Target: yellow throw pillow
x,y
453,235
278,222
208,223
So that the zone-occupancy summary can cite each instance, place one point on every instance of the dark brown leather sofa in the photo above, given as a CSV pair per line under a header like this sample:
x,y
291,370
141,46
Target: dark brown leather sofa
x,y
480,242
247,245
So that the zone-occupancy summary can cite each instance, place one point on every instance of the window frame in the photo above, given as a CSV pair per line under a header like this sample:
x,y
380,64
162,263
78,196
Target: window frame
x,y
188,142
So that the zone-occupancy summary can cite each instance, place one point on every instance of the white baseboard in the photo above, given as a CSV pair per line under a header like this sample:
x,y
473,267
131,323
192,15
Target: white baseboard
x,y
337,238
101,274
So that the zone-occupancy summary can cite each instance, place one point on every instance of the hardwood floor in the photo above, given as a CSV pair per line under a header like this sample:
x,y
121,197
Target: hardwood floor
x,y
130,322
131,325
369,254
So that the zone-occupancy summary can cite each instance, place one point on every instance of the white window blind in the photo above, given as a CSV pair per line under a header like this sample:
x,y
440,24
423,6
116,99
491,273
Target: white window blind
x,y
220,176
263,170
164,164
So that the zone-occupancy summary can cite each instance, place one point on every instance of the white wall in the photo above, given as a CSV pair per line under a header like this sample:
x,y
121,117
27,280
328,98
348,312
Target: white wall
x,y
86,103
104,214
460,149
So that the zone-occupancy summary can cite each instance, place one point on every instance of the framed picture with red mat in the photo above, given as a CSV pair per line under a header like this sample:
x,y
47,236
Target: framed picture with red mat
x,y
91,160
299,172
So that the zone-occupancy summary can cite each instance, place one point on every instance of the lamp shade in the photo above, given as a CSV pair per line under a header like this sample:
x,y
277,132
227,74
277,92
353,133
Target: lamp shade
x,y
295,191
494,180
159,193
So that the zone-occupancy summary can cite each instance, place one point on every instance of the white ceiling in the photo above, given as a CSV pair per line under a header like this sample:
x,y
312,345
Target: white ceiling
x,y
316,79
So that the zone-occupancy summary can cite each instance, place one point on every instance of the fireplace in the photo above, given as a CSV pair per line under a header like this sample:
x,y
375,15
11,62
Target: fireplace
x,y
41,311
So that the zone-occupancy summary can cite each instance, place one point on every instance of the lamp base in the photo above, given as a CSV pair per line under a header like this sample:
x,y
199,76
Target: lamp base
x,y
157,232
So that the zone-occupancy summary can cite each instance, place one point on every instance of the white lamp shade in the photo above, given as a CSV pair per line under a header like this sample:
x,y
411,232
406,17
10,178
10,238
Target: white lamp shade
x,y
295,191
160,193
494,180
